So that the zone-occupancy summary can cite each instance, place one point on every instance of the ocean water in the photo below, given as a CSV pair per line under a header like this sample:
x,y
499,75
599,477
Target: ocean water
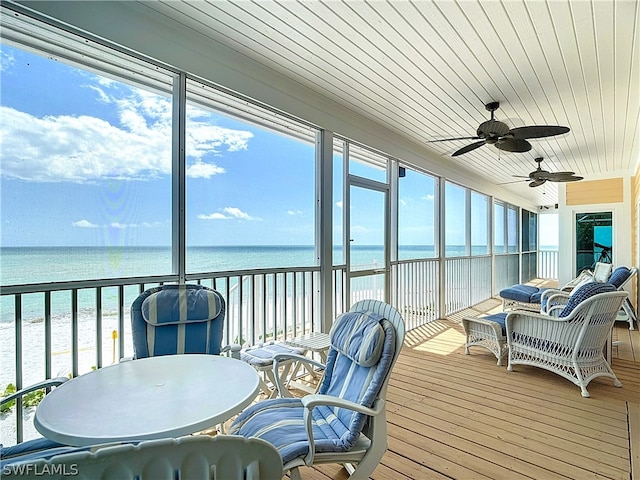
x,y
23,265
53,264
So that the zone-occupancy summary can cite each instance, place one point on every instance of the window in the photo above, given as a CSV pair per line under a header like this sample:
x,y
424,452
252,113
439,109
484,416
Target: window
x,y
250,189
479,224
498,227
455,220
417,205
512,229
85,172
529,231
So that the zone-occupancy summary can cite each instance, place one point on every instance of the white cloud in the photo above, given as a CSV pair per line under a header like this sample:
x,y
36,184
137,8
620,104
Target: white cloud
x,y
120,226
213,216
427,197
85,148
339,204
6,61
203,170
294,212
229,213
84,224
237,213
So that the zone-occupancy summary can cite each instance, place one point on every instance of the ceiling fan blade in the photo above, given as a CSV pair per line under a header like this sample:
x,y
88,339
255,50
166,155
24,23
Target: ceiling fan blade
x,y
468,148
513,145
524,179
566,179
537,131
537,183
451,139
493,128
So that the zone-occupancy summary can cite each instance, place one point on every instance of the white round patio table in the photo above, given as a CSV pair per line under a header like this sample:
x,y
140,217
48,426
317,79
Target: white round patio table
x,y
155,397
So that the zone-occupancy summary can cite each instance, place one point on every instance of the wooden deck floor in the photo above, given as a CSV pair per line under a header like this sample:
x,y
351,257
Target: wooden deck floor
x,y
458,416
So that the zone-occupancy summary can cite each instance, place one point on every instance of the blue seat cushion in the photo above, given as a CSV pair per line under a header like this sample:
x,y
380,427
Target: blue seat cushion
x,y
348,375
521,293
261,356
499,318
33,450
535,298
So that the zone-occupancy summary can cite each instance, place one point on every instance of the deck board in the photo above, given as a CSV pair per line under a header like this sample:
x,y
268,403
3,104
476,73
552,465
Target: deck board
x,y
458,416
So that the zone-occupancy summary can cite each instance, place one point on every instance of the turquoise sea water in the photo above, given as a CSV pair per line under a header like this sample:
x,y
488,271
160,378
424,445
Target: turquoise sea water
x,y
22,265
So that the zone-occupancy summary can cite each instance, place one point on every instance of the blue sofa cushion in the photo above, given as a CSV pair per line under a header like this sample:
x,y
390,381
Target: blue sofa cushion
x,y
584,292
619,276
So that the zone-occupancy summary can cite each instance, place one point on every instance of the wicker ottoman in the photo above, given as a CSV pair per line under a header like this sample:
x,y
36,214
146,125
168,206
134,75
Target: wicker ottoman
x,y
521,297
488,332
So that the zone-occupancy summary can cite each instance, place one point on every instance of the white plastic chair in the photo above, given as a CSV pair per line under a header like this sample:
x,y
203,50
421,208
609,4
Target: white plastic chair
x,y
345,422
200,457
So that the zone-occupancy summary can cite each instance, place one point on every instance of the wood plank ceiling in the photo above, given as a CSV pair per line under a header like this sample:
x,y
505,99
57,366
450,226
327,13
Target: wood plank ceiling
x,y
426,69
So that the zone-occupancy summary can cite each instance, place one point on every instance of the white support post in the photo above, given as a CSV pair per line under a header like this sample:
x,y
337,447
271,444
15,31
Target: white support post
x,y
178,178
324,225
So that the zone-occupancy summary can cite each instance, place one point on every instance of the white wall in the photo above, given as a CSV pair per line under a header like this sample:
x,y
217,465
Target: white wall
x,y
622,236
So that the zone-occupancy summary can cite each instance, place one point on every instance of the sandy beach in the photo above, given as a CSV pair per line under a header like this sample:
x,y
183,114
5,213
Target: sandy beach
x,y
33,359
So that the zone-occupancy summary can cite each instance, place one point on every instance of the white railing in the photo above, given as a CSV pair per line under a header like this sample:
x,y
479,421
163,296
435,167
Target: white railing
x,y
548,264
70,328
467,282
415,291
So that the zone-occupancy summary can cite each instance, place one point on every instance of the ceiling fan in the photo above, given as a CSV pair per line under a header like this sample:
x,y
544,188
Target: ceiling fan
x,y
540,176
499,134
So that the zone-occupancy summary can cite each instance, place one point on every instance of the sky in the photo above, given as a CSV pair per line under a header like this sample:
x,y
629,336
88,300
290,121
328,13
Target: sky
x,y
86,161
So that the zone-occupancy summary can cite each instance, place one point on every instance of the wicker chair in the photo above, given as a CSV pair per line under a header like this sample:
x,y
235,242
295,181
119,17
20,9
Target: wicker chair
x,y
569,342
528,297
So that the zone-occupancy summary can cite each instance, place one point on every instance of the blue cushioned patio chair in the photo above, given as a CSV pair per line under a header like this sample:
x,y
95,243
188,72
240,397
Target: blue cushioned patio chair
x,y
345,421
571,341
177,319
199,457
39,447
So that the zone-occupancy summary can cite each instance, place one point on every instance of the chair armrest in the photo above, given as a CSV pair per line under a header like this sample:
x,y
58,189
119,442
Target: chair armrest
x,y
284,357
233,349
52,382
552,291
314,400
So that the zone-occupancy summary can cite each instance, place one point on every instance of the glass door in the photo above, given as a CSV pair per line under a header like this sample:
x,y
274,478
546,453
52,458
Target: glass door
x,y
367,248
594,237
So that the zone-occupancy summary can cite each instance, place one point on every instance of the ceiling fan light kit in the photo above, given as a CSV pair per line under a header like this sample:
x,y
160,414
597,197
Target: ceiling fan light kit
x,y
494,132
